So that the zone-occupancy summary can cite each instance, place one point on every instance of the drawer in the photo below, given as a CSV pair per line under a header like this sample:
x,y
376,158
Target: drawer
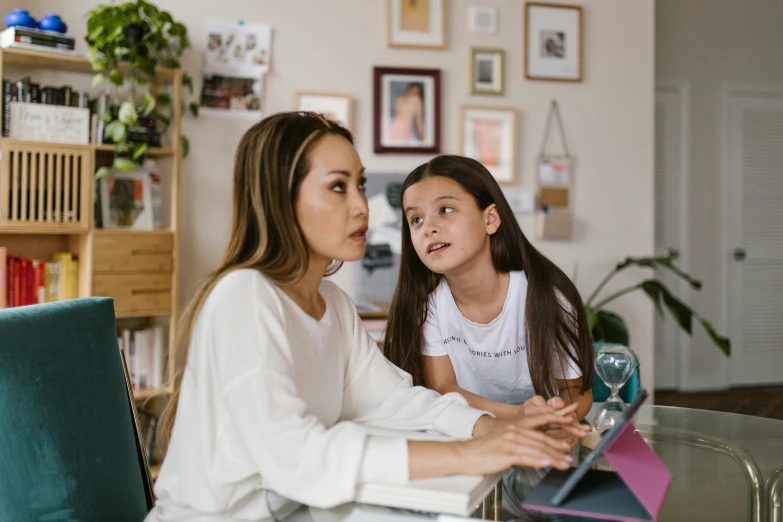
x,y
132,252
135,294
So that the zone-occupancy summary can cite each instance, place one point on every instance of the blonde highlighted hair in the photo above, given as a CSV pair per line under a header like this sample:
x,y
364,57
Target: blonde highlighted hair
x,y
270,163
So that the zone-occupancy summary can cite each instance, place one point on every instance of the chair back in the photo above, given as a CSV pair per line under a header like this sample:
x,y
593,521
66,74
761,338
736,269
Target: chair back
x,y
69,442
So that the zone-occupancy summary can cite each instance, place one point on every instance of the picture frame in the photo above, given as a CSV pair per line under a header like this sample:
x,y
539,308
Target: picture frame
x,y
337,107
482,19
489,135
406,110
487,71
126,200
553,42
416,24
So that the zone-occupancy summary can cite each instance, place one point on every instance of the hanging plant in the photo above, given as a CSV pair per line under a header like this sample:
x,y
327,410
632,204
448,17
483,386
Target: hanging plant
x,y
145,37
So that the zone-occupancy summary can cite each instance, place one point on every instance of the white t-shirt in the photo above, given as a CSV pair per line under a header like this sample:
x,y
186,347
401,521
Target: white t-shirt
x,y
489,360
274,399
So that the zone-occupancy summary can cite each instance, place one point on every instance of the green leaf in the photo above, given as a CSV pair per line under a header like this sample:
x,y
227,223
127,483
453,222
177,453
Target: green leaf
x,y
97,79
610,328
165,17
140,151
116,77
194,109
654,291
128,115
177,29
185,146
163,99
149,104
91,54
124,165
187,81
117,131
106,117
96,33
121,51
654,262
102,172
724,343
171,63
117,32
100,64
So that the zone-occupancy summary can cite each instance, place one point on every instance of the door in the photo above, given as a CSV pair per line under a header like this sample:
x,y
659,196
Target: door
x,y
754,235
670,221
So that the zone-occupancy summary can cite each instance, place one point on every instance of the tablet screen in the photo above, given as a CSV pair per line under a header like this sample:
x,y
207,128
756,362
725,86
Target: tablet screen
x,y
608,436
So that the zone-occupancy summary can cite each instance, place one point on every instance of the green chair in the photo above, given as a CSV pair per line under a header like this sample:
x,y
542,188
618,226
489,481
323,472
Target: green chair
x,y
69,440
630,389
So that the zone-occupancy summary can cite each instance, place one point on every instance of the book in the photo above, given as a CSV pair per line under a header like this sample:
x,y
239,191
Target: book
x,y
457,495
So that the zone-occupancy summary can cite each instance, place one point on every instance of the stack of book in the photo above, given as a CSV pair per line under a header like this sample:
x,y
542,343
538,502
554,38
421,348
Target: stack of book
x,y
144,351
25,281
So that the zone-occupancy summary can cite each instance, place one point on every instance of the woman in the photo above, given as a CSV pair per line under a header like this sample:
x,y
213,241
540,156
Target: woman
x,y
279,374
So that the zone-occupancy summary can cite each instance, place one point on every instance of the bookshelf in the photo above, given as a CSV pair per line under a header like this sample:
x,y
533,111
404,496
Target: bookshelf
x,y
47,198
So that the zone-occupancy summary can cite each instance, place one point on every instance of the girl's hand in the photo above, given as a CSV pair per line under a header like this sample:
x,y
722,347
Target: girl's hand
x,y
520,443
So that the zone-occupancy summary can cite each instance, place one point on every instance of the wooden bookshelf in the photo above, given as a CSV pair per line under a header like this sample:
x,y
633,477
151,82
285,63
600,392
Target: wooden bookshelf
x,y
138,269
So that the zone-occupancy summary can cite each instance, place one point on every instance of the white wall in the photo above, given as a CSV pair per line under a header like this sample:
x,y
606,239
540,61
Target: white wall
x,y
710,44
332,46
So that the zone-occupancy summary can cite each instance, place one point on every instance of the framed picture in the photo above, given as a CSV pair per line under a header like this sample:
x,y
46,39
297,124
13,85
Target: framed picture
x,y
553,41
483,20
406,116
417,24
335,107
486,71
488,135
126,200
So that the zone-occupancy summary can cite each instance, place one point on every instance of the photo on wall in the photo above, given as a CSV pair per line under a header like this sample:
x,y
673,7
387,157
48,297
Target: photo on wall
x,y
416,24
335,107
486,71
406,110
489,137
553,42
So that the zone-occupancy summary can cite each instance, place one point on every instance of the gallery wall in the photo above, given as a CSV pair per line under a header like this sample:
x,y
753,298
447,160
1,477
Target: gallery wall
x,y
334,46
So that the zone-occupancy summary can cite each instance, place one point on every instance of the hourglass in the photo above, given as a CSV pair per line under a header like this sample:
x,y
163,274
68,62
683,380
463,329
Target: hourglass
x,y
614,365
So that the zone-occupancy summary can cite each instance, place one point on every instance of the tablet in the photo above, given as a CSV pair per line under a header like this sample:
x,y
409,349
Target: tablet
x,y
607,437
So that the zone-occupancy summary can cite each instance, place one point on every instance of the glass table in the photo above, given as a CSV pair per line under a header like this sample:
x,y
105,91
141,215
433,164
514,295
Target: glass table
x,y
725,467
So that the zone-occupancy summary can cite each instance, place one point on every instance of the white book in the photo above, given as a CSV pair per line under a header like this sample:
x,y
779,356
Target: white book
x,y
454,495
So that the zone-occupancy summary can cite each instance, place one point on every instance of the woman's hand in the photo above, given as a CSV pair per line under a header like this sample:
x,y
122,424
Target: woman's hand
x,y
519,443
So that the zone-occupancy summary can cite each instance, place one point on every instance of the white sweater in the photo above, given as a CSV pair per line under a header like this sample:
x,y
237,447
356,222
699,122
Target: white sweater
x,y
273,398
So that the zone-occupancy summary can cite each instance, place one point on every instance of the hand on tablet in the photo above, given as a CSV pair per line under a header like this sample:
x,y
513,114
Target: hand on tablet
x,y
518,443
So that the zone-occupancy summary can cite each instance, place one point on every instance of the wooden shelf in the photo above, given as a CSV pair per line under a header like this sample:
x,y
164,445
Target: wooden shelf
x,y
153,152
63,229
141,395
143,313
63,62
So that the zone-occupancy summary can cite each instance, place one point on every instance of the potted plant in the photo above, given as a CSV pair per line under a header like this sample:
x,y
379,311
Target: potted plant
x,y
143,36
610,327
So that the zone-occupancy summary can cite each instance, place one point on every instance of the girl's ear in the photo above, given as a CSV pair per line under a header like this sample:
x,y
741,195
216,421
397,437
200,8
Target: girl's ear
x,y
493,219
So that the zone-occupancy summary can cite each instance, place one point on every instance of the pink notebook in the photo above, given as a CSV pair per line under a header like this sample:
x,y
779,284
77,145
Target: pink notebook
x,y
634,492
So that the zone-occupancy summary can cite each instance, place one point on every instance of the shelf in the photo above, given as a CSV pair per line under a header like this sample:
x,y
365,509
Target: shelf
x,y
64,62
145,394
64,229
153,152
116,231
143,313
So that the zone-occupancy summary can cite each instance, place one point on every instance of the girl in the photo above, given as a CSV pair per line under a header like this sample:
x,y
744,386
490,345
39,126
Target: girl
x,y
279,374
477,309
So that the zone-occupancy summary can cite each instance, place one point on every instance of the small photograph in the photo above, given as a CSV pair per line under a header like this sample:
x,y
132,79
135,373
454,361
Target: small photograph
x,y
407,110
236,94
416,24
489,137
335,107
486,75
126,201
553,44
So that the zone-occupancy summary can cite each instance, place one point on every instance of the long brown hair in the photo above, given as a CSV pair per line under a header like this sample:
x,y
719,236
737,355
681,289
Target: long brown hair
x,y
552,325
270,163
